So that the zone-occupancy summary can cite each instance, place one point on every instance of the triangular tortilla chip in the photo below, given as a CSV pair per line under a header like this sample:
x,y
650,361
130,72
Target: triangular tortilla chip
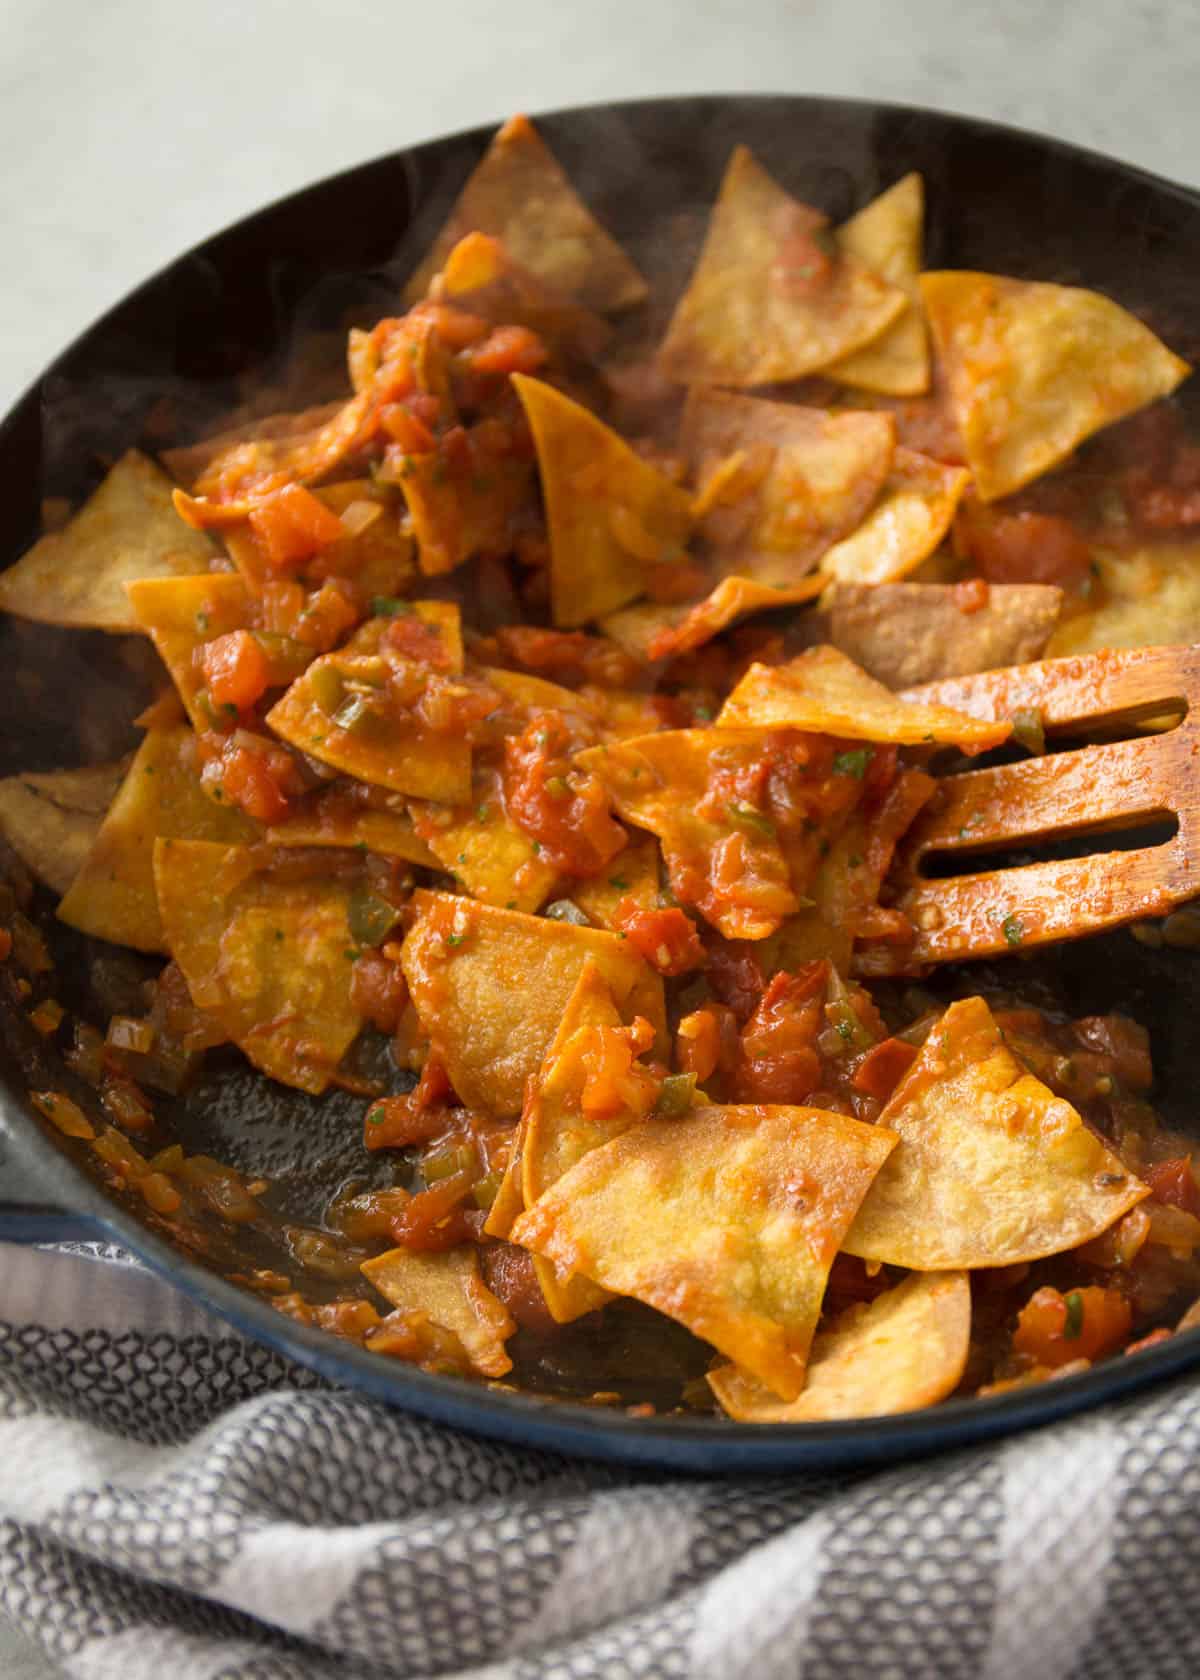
x,y
271,959
992,1169
187,462
519,193
905,634
488,855
1033,369
467,503
180,615
1142,597
732,599
726,1219
448,1289
51,818
633,873
905,1349
756,311
490,987
780,483
333,819
907,523
386,750
723,854
823,691
611,516
126,529
886,236
113,895
481,277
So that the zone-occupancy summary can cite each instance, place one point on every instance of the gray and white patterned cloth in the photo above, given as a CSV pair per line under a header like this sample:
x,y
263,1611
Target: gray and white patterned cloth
x,y
179,1504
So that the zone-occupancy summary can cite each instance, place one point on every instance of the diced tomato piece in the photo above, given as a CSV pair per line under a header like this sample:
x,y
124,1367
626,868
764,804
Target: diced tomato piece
x,y
261,781
883,1067
329,613
456,328
405,429
614,1081
508,1271
1025,547
706,1041
378,991
1053,1329
507,350
971,595
416,639
734,972
291,525
666,938
780,1061
565,811
435,1218
1174,1183
236,669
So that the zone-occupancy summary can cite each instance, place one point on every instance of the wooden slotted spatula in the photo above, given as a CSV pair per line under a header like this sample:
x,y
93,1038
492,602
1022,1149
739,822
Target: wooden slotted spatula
x,y
1107,785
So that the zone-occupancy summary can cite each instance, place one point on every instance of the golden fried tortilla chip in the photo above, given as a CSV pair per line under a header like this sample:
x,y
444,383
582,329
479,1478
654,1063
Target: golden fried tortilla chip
x,y
992,1169
490,987
469,504
633,873
611,516
126,529
270,958
187,462
912,515
778,483
448,1289
886,236
113,896
339,712
332,819
773,297
180,615
905,1349
721,854
520,194
51,818
488,855
1033,369
732,599
905,634
1141,597
824,692
748,1208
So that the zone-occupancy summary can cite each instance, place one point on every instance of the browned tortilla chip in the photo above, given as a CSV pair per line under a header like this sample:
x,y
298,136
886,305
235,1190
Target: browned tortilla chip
x,y
907,523
113,895
332,821
519,193
126,529
827,693
271,959
467,505
488,855
180,614
779,483
1141,597
490,987
905,634
481,277
51,818
992,1169
733,598
1033,369
886,236
772,297
187,463
633,873
905,1349
388,750
725,858
448,1289
611,516
727,1219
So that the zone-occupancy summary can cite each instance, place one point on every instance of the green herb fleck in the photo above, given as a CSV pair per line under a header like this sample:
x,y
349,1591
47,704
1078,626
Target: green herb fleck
x,y
704,713
852,763
375,1115
390,606
1073,1323
482,812
746,817
618,881
1013,929
455,939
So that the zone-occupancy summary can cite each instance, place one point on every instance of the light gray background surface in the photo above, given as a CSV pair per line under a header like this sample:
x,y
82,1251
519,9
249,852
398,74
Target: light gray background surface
x,y
131,128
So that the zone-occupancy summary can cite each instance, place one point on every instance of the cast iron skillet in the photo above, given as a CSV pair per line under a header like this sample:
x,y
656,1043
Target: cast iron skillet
x,y
267,302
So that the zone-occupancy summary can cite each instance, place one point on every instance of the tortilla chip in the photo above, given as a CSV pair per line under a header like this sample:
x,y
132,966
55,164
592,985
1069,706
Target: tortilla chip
x,y
51,818
113,896
448,1289
633,873
520,193
781,483
393,752
466,504
886,236
660,782
748,316
904,527
905,634
637,628
905,1349
732,599
271,959
490,987
180,615
611,516
1142,597
488,855
1033,369
187,462
481,277
126,529
330,819
749,1206
992,1169
824,692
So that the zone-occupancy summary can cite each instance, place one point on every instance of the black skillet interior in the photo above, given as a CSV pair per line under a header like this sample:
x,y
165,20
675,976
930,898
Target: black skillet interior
x,y
260,311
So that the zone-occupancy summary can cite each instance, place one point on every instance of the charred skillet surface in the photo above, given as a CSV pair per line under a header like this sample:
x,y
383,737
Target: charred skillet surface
x,y
263,305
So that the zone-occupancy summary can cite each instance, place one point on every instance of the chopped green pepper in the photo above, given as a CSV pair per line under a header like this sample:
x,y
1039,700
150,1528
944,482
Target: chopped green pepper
x,y
371,918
